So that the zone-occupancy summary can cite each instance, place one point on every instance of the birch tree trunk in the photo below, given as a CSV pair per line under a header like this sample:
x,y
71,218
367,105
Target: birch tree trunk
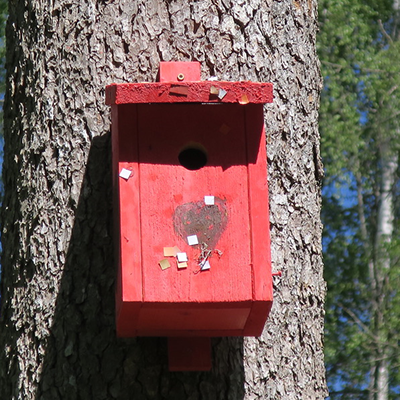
x,y
57,337
389,161
382,294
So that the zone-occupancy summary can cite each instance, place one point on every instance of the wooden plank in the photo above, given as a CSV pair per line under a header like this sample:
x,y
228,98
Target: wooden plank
x,y
129,207
259,206
172,196
189,92
179,71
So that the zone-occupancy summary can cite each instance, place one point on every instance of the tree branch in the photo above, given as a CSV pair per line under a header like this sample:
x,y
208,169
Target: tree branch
x,y
368,332
361,324
364,235
388,93
383,31
339,67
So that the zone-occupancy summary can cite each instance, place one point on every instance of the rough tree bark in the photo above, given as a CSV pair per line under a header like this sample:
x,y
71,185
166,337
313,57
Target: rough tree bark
x,y
57,338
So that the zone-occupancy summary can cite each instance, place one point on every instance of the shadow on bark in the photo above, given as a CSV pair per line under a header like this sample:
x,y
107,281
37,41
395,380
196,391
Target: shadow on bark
x,y
83,358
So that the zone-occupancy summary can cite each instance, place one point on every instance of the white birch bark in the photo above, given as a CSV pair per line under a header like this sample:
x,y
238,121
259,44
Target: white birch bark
x,y
389,165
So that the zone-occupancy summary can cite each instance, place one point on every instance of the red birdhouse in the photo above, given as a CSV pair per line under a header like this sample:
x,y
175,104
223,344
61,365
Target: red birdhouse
x,y
191,210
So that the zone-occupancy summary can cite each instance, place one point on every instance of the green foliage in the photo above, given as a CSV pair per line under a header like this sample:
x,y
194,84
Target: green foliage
x,y
359,49
346,275
360,70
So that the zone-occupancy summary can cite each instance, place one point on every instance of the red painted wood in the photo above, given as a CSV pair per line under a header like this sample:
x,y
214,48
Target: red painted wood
x,y
179,71
171,185
234,297
189,92
177,319
189,354
159,185
127,214
257,318
259,205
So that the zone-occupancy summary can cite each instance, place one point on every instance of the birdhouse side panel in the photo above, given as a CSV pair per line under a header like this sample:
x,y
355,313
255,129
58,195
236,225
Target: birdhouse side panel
x,y
125,139
259,206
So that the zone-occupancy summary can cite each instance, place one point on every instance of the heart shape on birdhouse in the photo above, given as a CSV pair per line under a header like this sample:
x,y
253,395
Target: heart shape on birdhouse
x,y
206,221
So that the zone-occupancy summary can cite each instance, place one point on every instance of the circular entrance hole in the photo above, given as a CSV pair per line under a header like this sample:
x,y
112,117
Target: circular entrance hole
x,y
192,158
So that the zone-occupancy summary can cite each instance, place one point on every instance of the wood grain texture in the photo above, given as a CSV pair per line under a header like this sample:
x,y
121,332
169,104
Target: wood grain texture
x,y
189,92
57,338
162,203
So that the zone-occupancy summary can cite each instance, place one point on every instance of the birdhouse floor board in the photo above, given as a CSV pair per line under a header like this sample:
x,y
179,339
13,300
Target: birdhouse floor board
x,y
208,319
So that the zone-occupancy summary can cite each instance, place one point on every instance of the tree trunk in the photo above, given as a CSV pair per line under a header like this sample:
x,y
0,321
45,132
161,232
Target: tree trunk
x,y
57,336
389,159
385,220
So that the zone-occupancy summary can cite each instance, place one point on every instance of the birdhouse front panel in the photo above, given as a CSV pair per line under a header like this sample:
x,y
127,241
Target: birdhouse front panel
x,y
179,210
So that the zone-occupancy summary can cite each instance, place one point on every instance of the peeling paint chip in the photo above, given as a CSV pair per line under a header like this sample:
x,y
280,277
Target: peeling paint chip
x,y
164,264
244,99
182,257
214,90
182,265
192,240
209,200
125,173
179,90
169,252
222,93
205,265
